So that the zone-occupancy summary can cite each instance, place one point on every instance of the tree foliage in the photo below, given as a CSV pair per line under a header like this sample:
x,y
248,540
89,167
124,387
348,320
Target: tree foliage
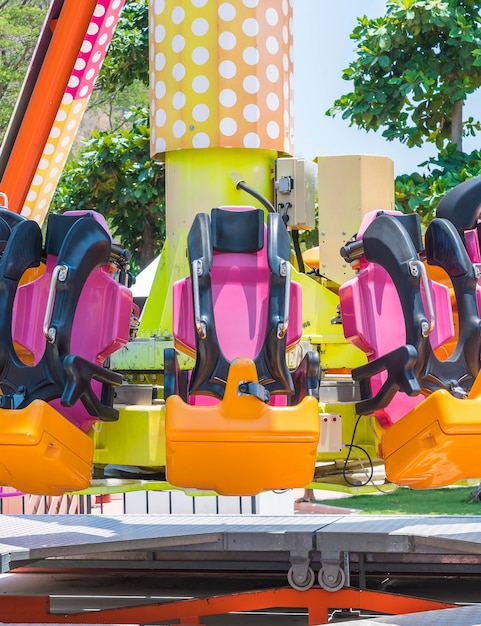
x,y
115,175
413,70
20,25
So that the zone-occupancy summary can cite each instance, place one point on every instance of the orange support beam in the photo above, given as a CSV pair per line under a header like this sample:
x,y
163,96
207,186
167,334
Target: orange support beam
x,y
68,34
35,609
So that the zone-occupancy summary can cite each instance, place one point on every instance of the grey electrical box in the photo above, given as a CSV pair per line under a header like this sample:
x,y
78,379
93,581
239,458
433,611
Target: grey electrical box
x,y
295,192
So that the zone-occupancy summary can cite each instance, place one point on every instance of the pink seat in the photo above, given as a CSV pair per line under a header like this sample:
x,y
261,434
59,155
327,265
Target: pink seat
x,y
374,321
101,322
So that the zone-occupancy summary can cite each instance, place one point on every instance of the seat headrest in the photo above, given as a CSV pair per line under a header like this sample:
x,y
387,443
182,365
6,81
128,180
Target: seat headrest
x,y
237,231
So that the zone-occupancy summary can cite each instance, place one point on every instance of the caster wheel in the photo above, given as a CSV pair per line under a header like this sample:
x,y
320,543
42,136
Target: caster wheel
x,y
332,585
304,585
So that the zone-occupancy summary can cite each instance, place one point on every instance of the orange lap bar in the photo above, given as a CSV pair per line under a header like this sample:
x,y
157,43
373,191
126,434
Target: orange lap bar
x,y
241,445
437,443
41,452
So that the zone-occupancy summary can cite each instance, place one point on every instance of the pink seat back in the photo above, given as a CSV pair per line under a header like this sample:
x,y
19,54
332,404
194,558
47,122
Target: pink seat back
x,y
101,323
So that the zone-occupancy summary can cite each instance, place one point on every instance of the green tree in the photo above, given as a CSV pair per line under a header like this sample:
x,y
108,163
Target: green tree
x,y
115,175
20,25
413,70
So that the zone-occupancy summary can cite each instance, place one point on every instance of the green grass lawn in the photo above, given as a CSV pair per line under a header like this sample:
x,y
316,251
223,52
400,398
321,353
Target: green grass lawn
x,y
448,501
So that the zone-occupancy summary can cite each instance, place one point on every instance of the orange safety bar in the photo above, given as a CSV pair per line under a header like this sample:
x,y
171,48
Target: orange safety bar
x,y
68,34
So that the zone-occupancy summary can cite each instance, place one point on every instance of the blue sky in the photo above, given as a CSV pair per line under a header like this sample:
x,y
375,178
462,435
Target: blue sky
x,y
322,49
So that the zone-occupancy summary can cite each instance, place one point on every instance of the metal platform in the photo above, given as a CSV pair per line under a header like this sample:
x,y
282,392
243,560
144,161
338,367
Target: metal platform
x,y
276,547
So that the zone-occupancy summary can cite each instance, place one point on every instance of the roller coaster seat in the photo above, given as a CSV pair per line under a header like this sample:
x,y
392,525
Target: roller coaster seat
x,y
227,426
102,318
373,320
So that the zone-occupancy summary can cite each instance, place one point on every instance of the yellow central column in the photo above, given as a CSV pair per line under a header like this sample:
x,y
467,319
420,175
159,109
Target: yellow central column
x,y
221,108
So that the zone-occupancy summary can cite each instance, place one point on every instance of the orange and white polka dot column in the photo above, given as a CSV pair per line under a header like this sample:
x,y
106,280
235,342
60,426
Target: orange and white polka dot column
x,y
221,75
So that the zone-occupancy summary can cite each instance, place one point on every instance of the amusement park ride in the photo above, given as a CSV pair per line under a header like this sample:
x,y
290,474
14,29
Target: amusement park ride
x,y
250,367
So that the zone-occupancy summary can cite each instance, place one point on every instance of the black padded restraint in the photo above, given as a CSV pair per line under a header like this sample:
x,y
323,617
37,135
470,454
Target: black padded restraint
x,y
445,249
462,204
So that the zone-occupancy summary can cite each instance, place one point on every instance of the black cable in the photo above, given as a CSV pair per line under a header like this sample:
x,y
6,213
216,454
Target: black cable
x,y
250,190
351,446
297,250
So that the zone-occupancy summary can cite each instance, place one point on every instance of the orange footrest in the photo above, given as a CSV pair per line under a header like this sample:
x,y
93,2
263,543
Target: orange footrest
x,y
241,445
435,444
41,452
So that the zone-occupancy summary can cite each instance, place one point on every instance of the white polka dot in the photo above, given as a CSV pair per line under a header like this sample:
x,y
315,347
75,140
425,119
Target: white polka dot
x,y
109,21
48,188
160,89
49,148
90,74
228,126
285,34
179,129
178,100
54,132
272,101
96,57
272,73
159,61
227,69
200,84
200,26
285,89
84,91
273,130
291,52
199,3
31,195
200,55
77,108
201,140
26,211
228,97
116,4
152,51
272,17
37,180
251,84
67,98
73,82
160,145
286,118
160,117
153,135
250,4
159,6
93,29
99,10
86,46
285,7
178,15
178,71
250,55
159,33
79,64
252,140
227,11
227,40
178,43
53,172
200,112
272,45
250,27
41,204
59,157
251,113
103,39
61,116
65,141
36,218
285,62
